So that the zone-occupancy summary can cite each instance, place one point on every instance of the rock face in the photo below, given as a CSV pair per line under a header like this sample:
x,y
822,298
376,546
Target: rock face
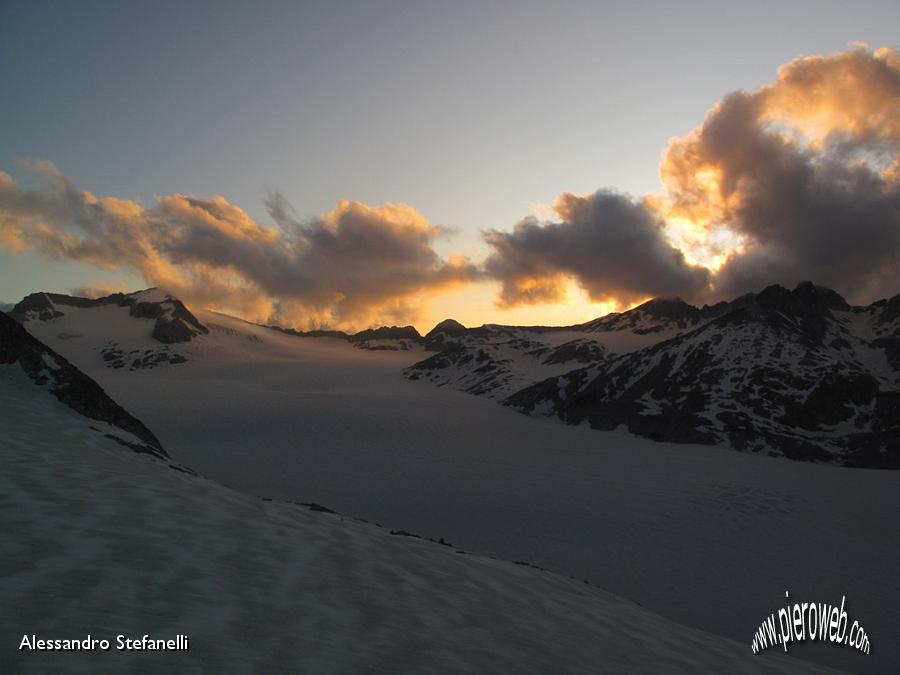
x,y
114,356
68,384
174,323
796,373
388,333
444,334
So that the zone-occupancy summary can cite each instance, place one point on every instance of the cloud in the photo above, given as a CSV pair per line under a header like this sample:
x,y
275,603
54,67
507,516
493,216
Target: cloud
x,y
611,244
804,172
353,266
797,180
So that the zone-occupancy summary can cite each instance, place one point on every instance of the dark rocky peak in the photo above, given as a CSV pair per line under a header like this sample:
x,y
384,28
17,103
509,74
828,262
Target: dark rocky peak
x,y
443,336
44,306
821,297
450,327
807,310
804,300
672,309
388,333
68,384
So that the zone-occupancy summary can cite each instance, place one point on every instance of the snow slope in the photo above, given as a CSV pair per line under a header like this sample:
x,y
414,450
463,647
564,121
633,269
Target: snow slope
x,y
708,538
101,541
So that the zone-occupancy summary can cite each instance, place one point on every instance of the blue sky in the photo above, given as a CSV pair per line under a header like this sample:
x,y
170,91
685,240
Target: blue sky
x,y
470,112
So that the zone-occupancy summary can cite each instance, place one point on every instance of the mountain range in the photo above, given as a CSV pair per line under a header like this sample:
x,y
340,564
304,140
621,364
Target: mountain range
x,y
795,373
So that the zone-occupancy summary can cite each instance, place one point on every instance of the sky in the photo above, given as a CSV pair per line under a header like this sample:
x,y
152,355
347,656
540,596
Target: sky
x,y
346,164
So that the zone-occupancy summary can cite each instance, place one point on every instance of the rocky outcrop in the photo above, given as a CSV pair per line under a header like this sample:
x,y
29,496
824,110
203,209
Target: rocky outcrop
x,y
443,335
388,333
114,356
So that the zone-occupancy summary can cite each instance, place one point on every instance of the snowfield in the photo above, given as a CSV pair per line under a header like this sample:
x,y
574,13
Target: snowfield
x,y
102,541
704,536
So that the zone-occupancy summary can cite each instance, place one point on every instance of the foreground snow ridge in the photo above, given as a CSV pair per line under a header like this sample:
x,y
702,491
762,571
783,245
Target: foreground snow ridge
x,y
103,541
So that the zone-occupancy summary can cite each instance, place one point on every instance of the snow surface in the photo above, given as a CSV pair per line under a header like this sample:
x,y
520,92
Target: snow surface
x,y
100,541
706,537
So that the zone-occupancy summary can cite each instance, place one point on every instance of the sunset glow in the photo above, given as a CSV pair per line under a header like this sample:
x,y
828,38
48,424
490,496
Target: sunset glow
x,y
740,202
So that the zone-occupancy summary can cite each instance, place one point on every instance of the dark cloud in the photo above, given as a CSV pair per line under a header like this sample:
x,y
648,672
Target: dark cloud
x,y
612,245
804,171
798,180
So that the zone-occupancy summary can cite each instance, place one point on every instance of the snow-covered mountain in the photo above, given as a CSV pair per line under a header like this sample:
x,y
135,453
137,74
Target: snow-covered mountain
x,y
796,373
799,373
100,541
496,361
145,329
172,321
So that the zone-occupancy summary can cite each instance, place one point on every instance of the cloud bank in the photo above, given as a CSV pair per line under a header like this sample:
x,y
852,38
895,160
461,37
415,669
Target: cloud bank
x,y
799,179
805,172
353,266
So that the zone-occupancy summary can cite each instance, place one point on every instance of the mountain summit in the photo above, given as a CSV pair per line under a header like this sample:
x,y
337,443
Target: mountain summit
x,y
173,321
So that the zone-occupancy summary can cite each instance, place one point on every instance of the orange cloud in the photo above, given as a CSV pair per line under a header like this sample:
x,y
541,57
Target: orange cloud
x,y
854,93
797,180
354,266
